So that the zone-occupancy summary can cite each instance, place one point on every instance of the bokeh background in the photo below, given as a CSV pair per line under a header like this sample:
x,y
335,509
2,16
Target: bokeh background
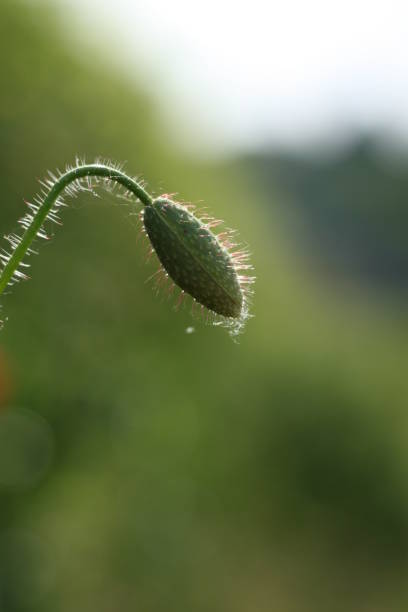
x,y
146,468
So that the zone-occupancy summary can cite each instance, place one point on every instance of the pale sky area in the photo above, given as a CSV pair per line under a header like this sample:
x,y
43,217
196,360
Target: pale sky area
x,y
234,75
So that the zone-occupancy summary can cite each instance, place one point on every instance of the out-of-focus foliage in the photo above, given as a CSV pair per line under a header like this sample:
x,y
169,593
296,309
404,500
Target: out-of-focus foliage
x,y
143,468
349,207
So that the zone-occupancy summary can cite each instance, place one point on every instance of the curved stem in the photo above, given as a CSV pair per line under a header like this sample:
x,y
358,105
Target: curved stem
x,y
43,211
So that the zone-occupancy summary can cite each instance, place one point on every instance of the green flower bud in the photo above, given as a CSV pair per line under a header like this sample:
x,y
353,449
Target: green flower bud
x,y
193,256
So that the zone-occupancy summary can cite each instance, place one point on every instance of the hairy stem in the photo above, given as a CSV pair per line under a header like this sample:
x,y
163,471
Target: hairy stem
x,y
30,233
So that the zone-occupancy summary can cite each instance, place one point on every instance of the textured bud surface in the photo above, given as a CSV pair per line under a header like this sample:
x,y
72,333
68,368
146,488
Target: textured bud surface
x,y
194,257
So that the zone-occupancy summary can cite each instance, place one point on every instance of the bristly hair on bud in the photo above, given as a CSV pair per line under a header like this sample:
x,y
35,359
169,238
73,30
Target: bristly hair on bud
x,y
198,261
209,267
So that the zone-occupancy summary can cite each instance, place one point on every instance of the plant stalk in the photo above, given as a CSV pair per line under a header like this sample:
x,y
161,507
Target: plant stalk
x,y
50,199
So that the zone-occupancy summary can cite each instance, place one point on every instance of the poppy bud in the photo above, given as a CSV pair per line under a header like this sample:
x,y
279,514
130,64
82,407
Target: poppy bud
x,y
194,257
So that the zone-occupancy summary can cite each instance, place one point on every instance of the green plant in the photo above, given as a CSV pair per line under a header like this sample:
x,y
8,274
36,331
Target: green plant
x,y
207,267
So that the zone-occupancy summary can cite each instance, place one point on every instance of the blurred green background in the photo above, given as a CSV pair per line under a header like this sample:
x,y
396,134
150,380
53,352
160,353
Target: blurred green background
x,y
144,468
